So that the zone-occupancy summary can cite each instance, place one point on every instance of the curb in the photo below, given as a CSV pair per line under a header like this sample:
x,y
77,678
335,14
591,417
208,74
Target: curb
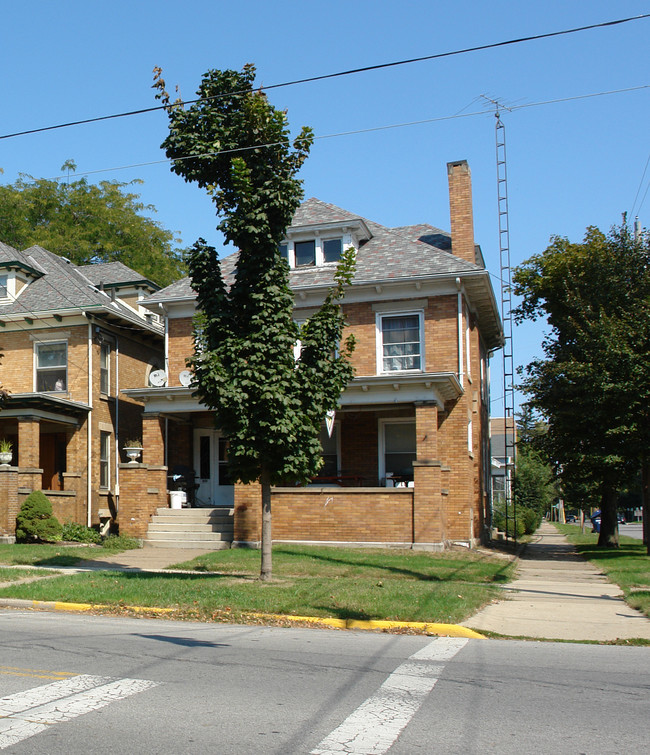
x,y
443,630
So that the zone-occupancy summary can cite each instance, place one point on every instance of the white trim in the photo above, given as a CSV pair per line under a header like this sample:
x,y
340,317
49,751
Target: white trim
x,y
379,340
381,439
51,342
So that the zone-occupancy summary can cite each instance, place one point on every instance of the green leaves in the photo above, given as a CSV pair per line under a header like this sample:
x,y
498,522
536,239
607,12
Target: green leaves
x,y
89,223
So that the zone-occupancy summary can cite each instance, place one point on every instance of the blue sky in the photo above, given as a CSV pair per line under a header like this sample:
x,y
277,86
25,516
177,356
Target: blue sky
x,y
570,164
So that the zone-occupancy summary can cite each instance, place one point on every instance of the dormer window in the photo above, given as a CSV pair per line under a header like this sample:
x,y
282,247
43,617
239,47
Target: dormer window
x,y
313,252
4,292
305,253
332,249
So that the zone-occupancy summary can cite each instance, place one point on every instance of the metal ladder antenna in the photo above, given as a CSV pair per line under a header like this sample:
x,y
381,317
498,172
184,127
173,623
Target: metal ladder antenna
x,y
509,430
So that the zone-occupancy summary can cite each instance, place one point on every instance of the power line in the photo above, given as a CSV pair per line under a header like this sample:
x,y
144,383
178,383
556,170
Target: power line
x,y
356,132
337,74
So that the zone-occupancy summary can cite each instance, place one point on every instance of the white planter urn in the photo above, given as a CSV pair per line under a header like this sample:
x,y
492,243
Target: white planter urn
x,y
5,457
133,453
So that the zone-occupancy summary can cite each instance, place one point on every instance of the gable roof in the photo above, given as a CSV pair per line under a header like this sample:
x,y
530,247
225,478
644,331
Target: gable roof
x,y
112,274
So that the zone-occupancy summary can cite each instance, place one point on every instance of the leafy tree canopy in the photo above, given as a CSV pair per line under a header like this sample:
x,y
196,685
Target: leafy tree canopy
x,y
89,223
592,388
270,404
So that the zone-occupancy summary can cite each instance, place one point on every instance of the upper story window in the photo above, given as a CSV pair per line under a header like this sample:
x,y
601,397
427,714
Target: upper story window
x,y
52,366
400,346
4,291
105,368
312,252
305,253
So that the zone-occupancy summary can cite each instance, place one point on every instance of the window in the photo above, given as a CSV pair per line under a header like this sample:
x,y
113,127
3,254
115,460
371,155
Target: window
x,y
104,368
4,293
104,460
305,252
401,346
284,252
399,451
51,366
332,249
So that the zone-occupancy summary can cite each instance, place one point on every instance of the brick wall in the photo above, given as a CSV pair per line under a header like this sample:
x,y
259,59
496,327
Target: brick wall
x,y
143,489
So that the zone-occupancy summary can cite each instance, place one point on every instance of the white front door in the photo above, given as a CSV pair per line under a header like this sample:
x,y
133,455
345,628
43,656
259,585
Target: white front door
x,y
211,468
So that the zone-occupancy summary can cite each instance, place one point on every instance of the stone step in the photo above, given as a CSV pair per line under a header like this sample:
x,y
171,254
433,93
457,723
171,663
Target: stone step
x,y
179,527
217,521
206,536
199,514
213,545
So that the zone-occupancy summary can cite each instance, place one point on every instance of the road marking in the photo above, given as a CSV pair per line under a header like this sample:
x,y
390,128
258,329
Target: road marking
x,y
25,714
375,725
38,673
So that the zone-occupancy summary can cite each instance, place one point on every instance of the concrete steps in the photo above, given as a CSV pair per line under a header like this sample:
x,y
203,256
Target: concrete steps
x,y
209,529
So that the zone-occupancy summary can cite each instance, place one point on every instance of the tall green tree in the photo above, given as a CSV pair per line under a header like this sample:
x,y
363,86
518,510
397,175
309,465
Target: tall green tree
x,y
270,405
89,223
592,387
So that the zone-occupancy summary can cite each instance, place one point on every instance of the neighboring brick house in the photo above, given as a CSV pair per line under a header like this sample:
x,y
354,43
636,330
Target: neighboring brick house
x,y
408,462
72,337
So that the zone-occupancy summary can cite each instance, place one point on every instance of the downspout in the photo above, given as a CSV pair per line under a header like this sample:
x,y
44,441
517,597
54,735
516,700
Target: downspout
x,y
89,457
459,299
117,424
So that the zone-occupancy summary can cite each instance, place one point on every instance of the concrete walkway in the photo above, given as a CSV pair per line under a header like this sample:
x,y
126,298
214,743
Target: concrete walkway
x,y
560,595
148,558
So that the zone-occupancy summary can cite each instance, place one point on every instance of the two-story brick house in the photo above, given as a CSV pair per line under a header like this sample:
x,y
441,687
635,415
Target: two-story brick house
x,y
72,337
407,462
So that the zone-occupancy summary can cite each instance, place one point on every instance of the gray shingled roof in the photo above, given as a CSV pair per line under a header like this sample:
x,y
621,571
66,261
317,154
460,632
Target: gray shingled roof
x,y
409,252
114,273
390,254
61,285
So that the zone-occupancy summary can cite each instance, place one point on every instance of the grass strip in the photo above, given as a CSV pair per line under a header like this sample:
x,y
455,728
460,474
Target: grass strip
x,y
12,575
59,554
628,565
328,582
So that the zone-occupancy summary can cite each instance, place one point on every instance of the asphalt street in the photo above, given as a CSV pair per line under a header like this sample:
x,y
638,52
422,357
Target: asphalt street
x,y
78,683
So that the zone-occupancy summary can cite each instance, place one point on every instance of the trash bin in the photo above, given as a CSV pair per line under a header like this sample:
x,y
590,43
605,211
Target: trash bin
x,y
177,498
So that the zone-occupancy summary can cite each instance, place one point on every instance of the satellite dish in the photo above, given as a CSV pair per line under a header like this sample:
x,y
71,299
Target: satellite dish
x,y
185,377
157,378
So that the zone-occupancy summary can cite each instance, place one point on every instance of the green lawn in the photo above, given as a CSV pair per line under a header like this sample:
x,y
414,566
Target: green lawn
x,y
628,565
11,575
57,554
308,581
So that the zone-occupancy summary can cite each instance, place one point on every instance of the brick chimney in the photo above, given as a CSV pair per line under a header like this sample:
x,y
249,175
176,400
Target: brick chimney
x,y
460,210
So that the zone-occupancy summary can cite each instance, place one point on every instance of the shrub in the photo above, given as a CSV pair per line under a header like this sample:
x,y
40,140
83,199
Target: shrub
x,y
531,519
499,521
120,542
78,533
35,522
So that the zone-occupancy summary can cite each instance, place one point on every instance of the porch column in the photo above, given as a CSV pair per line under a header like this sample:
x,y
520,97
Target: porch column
x,y
29,442
153,439
428,513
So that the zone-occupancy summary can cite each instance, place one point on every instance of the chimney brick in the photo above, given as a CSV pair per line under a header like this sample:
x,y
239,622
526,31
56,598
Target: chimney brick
x,y
460,210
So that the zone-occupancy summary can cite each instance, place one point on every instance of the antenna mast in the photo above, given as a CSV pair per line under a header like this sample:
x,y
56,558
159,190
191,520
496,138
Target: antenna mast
x,y
509,430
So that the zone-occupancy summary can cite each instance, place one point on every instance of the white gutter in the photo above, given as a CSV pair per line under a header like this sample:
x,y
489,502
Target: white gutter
x,y
459,298
116,488
90,425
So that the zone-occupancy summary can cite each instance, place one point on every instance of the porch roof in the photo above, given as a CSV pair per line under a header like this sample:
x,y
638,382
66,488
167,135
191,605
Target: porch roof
x,y
44,406
380,390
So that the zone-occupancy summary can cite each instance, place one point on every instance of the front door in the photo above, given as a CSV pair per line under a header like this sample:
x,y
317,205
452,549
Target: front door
x,y
211,467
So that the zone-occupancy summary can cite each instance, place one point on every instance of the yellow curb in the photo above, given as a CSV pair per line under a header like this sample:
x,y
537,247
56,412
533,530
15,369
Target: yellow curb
x,y
62,606
444,630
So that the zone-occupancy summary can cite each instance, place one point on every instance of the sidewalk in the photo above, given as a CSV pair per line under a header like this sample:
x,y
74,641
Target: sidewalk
x,y
560,595
144,559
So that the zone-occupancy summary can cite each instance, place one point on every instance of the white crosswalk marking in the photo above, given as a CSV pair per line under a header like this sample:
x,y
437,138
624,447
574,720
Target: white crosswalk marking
x,y
27,713
375,725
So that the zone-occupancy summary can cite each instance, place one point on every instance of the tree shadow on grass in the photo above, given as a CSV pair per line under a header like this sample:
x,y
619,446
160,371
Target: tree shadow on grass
x,y
450,576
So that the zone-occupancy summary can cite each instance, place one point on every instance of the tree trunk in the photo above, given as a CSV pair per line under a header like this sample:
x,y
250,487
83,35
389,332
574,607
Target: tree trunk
x,y
645,497
266,570
608,537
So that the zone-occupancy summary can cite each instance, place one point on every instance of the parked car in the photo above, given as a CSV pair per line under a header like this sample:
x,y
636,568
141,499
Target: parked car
x,y
595,521
621,518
